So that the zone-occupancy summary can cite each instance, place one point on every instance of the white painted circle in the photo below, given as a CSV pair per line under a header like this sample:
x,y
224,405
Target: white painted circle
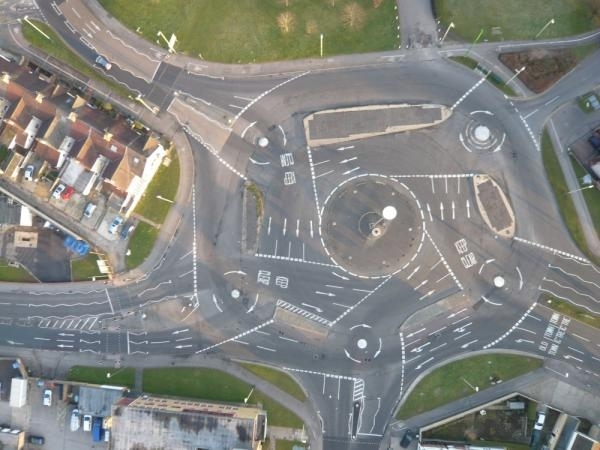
x,y
389,213
499,281
362,344
376,232
482,133
263,142
235,293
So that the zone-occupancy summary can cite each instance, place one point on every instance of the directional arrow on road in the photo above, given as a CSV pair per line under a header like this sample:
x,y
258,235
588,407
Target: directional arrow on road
x,y
89,342
442,210
328,294
518,341
420,349
64,346
180,331
66,334
183,346
13,342
423,363
344,161
341,149
462,328
319,310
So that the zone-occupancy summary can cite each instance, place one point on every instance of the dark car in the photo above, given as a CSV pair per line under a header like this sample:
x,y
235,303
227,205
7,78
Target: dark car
x,y
409,436
594,141
38,440
126,230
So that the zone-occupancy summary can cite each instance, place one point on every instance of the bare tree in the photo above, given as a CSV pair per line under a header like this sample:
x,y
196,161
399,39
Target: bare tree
x,y
311,26
353,16
286,21
595,10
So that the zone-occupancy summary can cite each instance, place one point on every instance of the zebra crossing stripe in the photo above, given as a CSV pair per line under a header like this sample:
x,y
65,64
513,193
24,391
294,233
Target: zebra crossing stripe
x,y
296,310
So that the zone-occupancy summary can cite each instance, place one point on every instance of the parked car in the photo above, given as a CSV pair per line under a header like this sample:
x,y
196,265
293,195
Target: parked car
x,y
47,397
67,193
75,420
114,225
127,229
103,62
38,440
89,209
408,437
58,191
28,175
594,141
87,423
539,421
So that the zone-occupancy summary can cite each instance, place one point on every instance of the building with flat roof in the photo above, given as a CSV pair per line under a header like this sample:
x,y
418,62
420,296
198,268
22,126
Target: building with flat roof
x,y
181,424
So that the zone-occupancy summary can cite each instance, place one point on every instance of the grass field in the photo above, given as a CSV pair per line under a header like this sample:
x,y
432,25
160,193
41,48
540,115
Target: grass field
x,y
141,244
57,48
573,311
451,382
492,77
277,378
97,375
563,198
591,196
517,19
242,31
84,269
210,384
287,445
165,184
15,274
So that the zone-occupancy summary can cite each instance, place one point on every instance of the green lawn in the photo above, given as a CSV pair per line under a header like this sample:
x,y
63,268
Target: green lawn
x,y
165,184
277,378
591,196
492,77
141,244
56,48
97,375
517,19
210,384
287,445
568,309
563,198
15,274
447,384
84,269
242,31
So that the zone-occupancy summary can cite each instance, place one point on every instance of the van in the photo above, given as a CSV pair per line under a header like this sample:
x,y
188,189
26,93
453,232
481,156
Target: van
x,y
539,421
89,209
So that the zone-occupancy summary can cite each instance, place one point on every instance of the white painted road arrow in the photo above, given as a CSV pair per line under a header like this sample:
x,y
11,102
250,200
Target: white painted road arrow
x,y
468,343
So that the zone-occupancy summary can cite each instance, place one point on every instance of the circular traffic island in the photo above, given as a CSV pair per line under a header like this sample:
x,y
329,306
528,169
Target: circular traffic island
x,y
371,226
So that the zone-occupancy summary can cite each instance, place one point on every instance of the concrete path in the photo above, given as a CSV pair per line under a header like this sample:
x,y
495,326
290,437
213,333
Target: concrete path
x,y
418,26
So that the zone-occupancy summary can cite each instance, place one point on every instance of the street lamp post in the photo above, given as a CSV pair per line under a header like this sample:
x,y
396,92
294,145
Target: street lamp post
x,y
475,41
248,397
164,199
110,375
446,33
581,189
321,46
550,22
36,28
517,73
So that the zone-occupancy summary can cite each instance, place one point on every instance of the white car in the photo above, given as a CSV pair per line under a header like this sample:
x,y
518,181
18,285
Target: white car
x,y
539,421
47,397
58,190
115,224
87,423
28,175
75,422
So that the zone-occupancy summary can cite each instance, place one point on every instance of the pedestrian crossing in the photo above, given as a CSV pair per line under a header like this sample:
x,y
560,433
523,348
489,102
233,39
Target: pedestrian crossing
x,y
358,390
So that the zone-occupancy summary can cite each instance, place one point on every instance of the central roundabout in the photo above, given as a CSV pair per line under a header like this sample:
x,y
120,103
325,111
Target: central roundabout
x,y
372,226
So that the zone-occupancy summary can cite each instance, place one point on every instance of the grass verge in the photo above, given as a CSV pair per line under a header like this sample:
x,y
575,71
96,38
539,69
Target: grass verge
x,y
84,269
591,196
141,244
453,381
210,384
277,378
287,445
514,19
97,375
234,31
57,48
165,184
14,274
576,312
563,198
258,198
492,77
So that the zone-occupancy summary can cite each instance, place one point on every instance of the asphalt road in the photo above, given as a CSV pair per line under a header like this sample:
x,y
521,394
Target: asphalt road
x,y
356,343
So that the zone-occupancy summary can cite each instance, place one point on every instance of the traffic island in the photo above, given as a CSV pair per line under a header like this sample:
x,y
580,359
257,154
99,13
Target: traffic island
x,y
493,206
372,226
335,126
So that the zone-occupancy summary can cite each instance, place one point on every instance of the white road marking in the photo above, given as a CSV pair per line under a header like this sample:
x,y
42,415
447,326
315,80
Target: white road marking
x,y
324,174
453,211
266,348
112,310
442,210
347,172
344,161
269,227
284,225
297,227
334,286
413,272
311,229
580,337
340,276
429,211
288,339
468,210
531,113
283,133
246,129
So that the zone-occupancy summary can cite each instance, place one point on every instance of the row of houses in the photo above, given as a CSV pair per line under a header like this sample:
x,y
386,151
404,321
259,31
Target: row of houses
x,y
49,126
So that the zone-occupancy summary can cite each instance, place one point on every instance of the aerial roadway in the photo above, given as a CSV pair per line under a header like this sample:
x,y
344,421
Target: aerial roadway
x,y
376,255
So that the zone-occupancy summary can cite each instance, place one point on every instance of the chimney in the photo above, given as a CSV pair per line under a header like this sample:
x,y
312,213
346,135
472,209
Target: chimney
x,y
72,117
39,97
107,136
